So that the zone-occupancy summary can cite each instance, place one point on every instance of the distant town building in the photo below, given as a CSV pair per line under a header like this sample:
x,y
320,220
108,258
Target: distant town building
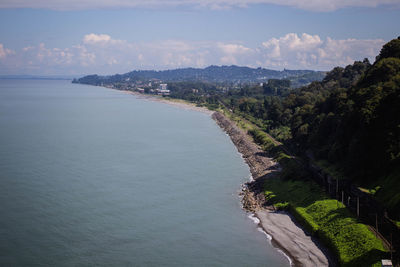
x,y
163,86
163,92
162,89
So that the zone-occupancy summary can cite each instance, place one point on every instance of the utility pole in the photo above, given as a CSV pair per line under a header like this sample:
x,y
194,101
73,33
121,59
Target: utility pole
x,y
391,250
337,188
337,192
358,207
342,197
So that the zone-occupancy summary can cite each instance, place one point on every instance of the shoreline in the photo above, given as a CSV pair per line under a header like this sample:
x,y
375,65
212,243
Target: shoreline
x,y
286,235
280,228
172,102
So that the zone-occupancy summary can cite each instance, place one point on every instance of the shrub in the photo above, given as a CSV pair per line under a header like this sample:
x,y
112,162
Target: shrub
x,y
282,206
261,138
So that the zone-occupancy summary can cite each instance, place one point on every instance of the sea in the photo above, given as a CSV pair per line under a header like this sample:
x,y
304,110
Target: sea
x,y
91,176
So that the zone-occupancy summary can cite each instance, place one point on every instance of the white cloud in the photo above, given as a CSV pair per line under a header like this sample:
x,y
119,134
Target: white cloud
x,y
5,51
233,48
310,51
96,38
234,53
293,42
28,48
331,5
101,39
315,5
100,53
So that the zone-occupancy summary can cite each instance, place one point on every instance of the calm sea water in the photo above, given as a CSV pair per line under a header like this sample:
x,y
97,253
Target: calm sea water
x,y
91,176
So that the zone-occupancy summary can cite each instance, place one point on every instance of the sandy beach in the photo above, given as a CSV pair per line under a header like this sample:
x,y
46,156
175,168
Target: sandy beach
x,y
173,102
286,234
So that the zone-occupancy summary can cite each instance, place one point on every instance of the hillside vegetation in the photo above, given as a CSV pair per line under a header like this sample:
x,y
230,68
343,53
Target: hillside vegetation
x,y
211,74
350,121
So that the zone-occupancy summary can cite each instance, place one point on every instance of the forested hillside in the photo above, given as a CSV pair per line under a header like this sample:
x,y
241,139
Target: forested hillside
x,y
350,121
211,74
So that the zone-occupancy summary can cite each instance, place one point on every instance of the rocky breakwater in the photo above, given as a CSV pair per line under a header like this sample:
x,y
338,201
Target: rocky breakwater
x,y
285,232
261,166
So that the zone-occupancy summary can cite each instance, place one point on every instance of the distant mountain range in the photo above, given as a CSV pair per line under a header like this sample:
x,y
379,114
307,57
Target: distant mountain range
x,y
234,74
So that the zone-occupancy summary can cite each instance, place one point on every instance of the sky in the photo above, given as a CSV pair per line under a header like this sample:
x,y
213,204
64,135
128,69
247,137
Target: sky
x,y
79,37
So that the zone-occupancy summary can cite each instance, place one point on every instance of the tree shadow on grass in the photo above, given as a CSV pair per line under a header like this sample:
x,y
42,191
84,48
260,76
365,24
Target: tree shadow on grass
x,y
367,259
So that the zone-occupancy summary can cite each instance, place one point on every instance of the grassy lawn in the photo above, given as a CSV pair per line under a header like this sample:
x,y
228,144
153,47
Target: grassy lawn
x,y
352,242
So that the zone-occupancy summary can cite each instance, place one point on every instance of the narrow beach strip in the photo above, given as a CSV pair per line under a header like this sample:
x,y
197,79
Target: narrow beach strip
x,y
285,233
172,102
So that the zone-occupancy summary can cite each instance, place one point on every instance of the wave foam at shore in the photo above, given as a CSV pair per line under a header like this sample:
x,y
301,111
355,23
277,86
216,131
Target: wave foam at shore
x,y
257,221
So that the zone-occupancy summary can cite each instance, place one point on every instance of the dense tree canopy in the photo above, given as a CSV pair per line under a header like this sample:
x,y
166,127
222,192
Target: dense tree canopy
x,y
350,119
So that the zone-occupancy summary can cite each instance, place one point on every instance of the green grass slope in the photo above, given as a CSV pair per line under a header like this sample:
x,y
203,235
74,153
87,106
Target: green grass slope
x,y
352,242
